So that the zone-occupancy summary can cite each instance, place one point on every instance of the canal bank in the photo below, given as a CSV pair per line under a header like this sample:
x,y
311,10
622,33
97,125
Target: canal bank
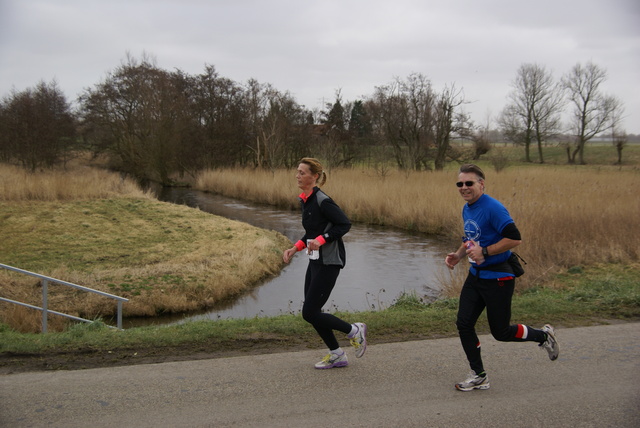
x,y
382,264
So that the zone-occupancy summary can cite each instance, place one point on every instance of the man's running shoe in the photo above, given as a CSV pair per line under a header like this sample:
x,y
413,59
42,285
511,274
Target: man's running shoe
x,y
359,340
333,360
473,382
551,344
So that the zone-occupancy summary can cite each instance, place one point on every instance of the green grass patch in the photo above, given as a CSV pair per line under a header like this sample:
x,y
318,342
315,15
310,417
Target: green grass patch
x,y
594,295
86,235
595,153
163,257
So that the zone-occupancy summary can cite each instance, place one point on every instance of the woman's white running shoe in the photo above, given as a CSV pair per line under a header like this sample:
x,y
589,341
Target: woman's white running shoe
x,y
359,340
332,360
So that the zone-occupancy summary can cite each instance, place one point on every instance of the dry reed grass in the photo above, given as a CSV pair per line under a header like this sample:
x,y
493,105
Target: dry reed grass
x,y
18,184
568,216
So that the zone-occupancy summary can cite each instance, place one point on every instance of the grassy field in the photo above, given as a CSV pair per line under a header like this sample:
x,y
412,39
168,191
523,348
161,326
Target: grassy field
x,y
94,228
602,154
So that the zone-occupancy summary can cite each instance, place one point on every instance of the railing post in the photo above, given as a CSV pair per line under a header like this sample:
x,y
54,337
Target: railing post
x,y
119,314
44,282
45,312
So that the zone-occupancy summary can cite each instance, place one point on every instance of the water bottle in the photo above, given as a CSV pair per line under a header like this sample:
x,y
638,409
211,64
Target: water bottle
x,y
313,254
468,243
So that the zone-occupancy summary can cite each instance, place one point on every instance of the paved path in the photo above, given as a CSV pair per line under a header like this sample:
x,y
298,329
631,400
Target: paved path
x,y
594,383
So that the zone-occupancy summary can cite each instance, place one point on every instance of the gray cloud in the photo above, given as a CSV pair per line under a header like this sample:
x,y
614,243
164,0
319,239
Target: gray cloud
x,y
313,49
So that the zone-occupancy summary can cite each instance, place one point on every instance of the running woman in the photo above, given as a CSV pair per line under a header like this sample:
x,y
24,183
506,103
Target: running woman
x,y
325,224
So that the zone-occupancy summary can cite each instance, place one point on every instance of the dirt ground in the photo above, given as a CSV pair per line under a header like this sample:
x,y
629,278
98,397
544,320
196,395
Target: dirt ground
x,y
85,359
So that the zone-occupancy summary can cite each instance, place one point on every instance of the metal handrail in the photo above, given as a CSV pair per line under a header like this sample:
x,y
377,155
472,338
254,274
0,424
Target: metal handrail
x,y
46,311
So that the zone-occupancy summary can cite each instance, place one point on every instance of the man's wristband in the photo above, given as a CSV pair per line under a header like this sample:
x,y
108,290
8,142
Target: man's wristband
x,y
485,252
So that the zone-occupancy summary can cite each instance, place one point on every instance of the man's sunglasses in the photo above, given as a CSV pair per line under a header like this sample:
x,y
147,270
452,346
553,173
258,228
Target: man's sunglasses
x,y
466,183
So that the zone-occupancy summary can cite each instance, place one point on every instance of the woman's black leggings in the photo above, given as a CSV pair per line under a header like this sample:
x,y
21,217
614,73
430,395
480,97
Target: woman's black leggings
x,y
318,284
495,295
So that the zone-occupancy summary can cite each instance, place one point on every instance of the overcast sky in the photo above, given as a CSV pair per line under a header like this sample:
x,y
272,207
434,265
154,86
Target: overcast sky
x,y
313,48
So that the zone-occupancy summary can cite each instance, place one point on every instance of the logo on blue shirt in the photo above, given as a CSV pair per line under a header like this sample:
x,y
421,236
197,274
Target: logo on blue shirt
x,y
472,230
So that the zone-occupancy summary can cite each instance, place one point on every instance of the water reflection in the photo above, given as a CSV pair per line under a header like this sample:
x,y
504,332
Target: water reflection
x,y
381,262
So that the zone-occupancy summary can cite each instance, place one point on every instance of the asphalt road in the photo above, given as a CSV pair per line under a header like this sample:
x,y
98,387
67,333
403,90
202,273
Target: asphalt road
x,y
594,383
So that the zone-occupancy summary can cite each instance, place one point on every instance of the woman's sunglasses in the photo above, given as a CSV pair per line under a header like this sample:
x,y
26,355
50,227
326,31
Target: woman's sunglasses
x,y
466,183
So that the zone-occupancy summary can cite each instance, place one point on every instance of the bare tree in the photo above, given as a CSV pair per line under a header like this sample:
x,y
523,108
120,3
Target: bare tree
x,y
278,124
618,137
360,131
336,142
278,128
483,137
402,115
448,121
546,112
37,127
593,111
138,115
619,141
256,105
226,119
533,113
509,124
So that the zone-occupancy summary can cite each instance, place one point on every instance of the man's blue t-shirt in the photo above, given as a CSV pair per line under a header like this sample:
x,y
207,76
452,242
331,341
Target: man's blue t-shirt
x,y
483,222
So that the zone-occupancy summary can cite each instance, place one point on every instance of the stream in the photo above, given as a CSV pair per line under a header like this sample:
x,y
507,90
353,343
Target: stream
x,y
382,263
